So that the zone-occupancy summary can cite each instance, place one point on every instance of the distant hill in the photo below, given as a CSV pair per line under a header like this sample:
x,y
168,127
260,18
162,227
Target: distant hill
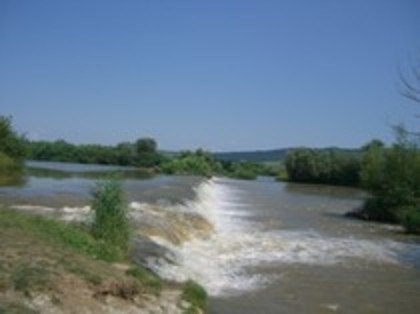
x,y
272,155
255,156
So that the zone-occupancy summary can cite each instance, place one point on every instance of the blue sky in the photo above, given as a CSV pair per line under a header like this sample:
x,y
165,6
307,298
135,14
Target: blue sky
x,y
222,75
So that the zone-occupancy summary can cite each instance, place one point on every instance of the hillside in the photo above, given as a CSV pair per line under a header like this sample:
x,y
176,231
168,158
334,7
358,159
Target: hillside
x,y
273,154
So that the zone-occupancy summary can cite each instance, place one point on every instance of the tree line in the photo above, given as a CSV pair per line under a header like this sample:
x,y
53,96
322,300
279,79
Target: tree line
x,y
390,174
324,167
144,153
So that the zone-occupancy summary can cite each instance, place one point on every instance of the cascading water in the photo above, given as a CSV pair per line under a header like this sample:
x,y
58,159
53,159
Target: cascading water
x,y
222,257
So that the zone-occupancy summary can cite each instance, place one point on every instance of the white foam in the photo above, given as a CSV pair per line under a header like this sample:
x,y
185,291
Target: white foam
x,y
221,263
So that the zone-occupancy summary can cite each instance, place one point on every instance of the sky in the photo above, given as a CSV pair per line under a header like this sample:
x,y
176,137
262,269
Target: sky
x,y
223,75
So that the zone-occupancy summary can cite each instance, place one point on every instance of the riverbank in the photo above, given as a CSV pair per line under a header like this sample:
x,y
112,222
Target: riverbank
x,y
47,266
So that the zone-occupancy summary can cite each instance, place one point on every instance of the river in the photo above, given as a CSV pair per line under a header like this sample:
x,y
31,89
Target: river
x,y
256,246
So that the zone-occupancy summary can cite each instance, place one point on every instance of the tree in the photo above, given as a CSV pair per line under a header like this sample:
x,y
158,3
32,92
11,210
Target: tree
x,y
372,165
411,84
200,163
125,153
11,144
392,175
146,153
12,153
325,167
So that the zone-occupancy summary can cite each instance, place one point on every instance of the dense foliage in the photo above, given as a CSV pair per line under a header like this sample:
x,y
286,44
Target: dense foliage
x,y
204,163
142,153
247,170
12,149
392,175
326,167
197,163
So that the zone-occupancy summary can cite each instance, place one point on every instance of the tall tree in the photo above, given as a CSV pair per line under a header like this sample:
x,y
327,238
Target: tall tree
x,y
146,153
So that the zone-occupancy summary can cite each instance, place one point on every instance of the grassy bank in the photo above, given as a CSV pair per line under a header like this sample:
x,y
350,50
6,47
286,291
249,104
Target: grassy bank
x,y
56,265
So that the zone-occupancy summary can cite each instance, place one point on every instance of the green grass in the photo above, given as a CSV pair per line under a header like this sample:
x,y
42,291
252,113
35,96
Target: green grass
x,y
15,308
196,296
68,235
148,279
27,278
38,252
87,275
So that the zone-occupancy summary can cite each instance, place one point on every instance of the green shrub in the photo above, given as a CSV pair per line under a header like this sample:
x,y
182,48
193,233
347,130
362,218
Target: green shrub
x,y
16,308
392,176
11,144
244,174
12,153
411,219
111,224
375,208
146,277
195,295
199,163
27,278
324,167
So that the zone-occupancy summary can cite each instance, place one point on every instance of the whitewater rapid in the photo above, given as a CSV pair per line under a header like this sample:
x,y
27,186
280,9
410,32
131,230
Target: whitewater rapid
x,y
224,260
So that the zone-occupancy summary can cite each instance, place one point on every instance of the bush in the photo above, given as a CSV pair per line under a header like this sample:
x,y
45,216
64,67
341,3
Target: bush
x,y
199,163
195,295
11,144
111,224
12,153
27,278
378,209
392,176
323,167
146,277
411,219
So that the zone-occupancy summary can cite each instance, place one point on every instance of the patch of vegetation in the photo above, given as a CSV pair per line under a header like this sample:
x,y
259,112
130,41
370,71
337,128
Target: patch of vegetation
x,y
59,233
199,163
323,167
194,294
36,258
27,278
83,273
142,153
111,224
16,308
12,152
148,279
254,156
245,170
392,176
281,174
